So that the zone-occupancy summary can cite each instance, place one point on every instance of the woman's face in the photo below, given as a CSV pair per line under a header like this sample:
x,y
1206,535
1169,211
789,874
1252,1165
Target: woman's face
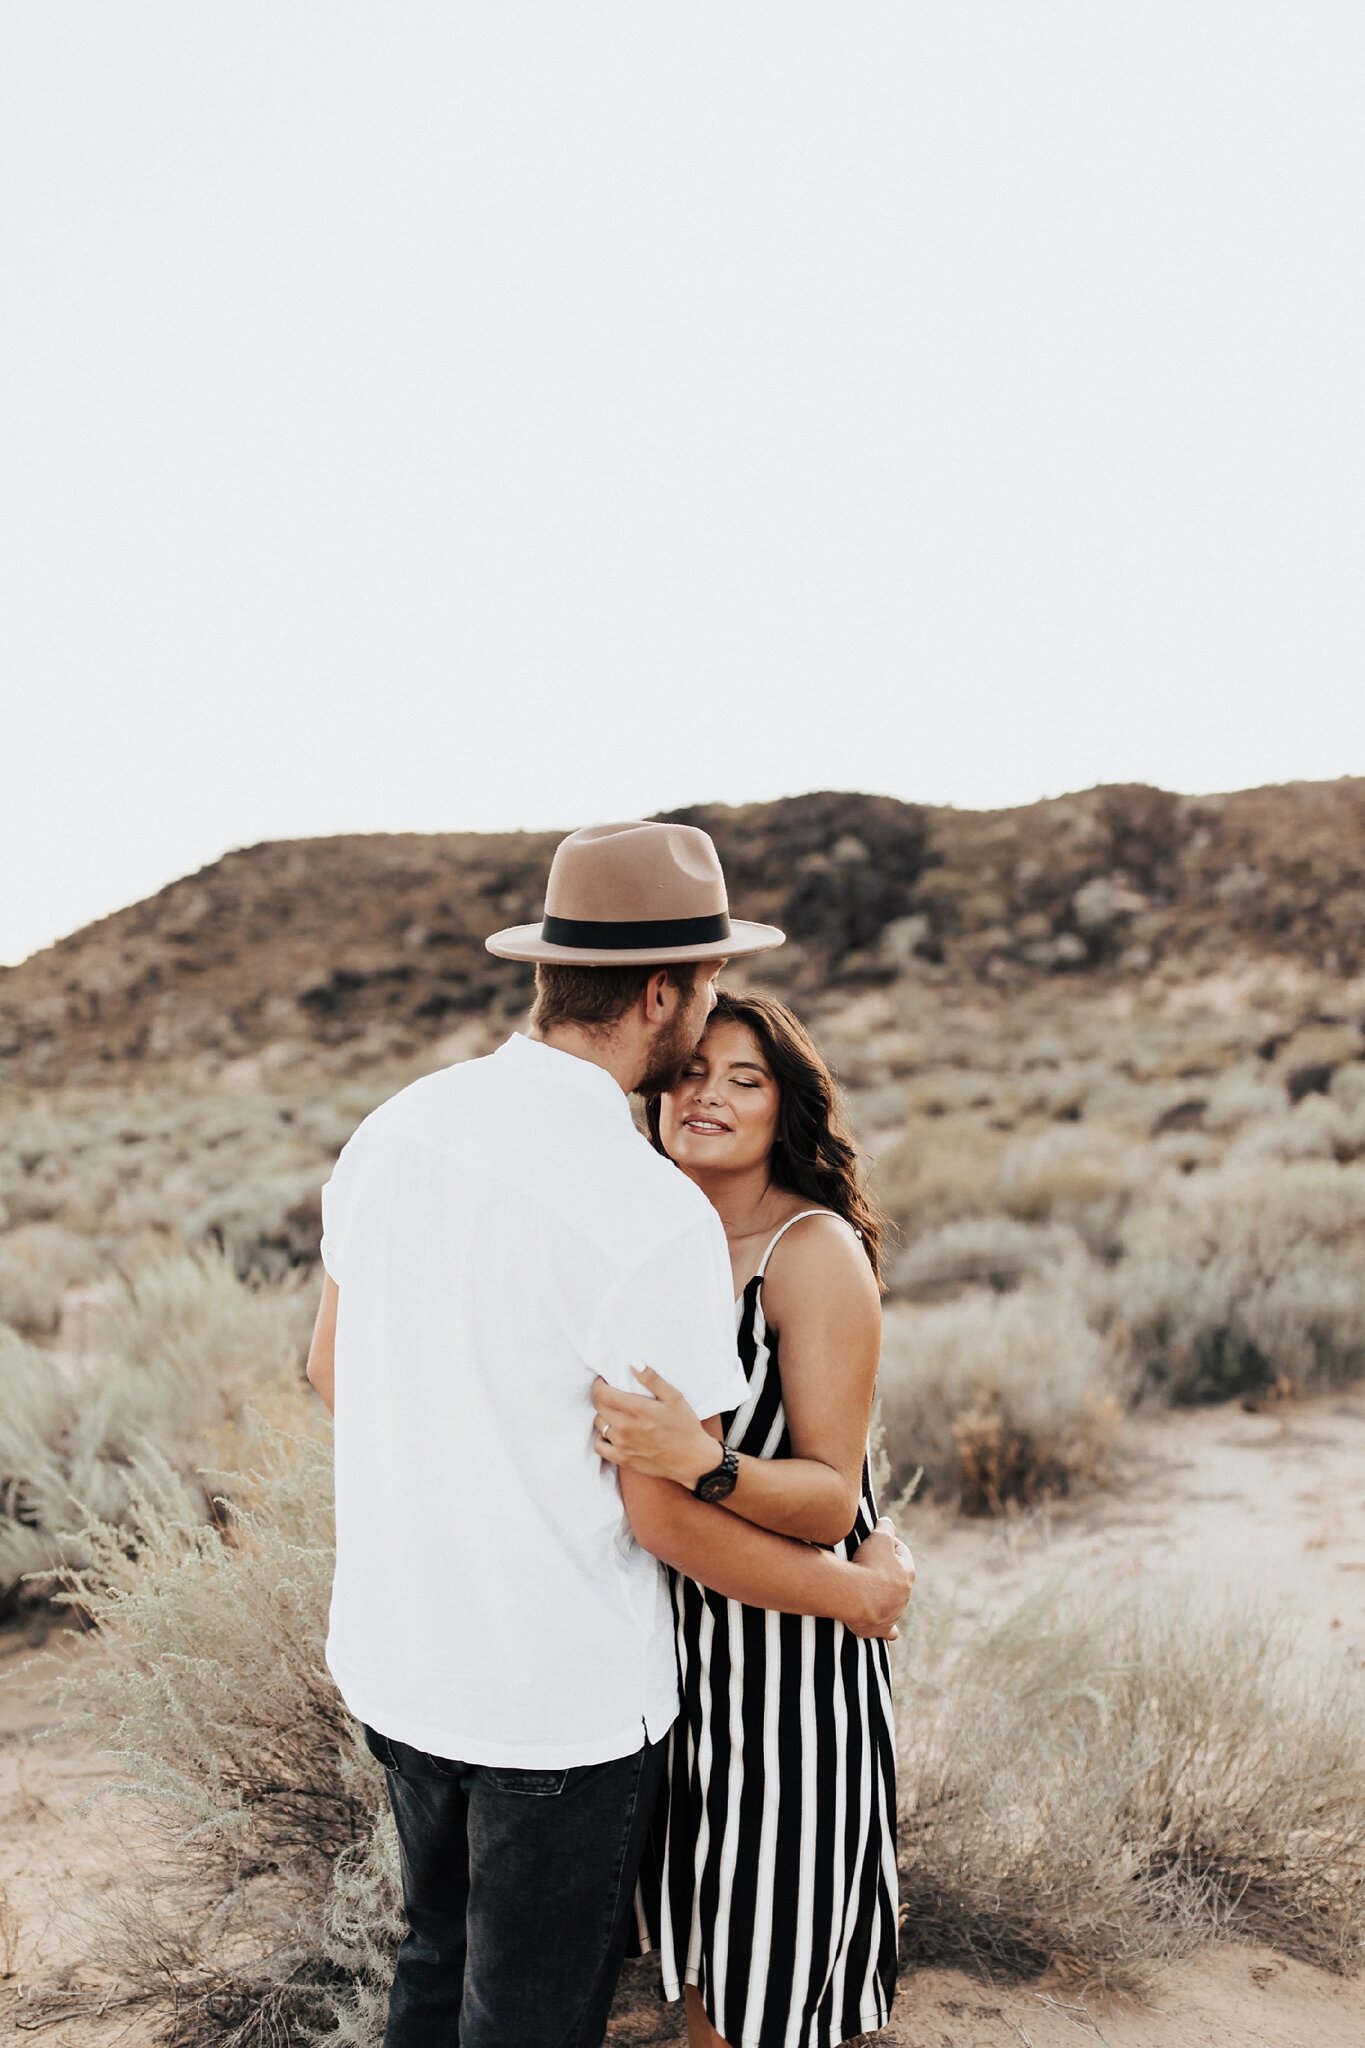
x,y
723,1112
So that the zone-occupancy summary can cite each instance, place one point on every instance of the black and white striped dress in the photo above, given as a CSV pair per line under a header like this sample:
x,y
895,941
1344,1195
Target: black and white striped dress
x,y
770,1880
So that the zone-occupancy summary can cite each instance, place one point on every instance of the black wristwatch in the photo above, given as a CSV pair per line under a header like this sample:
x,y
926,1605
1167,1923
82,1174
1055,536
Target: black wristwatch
x,y
720,1484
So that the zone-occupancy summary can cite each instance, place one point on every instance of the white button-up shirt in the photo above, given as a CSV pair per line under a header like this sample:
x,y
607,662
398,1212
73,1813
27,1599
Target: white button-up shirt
x,y
500,1233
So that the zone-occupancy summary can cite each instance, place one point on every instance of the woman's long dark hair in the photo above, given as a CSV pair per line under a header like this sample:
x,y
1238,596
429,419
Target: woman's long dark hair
x,y
814,1154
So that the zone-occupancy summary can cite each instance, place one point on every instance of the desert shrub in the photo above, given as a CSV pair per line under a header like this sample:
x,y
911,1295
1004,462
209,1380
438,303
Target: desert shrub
x,y
1235,1279
953,1091
1318,1127
1254,1785
194,1162
1061,1092
38,1262
1099,1788
986,1251
267,1224
178,1346
1186,1151
193,1341
938,1170
998,1397
1348,1085
1243,1094
1061,1171
262,1888
1014,1786
52,1473
1088,1785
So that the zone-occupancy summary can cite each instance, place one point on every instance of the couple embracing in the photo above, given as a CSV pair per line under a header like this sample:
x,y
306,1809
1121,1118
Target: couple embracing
x,y
612,1598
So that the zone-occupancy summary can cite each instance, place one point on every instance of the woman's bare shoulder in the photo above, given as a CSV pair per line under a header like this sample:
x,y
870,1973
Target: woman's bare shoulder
x,y
819,1263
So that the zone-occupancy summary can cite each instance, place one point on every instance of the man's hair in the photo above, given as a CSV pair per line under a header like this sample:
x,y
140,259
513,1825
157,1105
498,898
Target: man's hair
x,y
598,997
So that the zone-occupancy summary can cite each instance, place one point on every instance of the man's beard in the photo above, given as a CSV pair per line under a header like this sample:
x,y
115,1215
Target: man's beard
x,y
672,1050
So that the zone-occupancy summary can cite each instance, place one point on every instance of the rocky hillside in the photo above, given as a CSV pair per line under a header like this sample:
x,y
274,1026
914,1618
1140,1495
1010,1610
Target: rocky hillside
x,y
370,945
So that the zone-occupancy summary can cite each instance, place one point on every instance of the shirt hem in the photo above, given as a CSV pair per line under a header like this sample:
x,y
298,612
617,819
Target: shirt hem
x,y
470,1745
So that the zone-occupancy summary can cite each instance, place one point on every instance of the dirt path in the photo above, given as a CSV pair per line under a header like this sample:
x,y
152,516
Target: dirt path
x,y
1271,1504
52,1856
1232,1998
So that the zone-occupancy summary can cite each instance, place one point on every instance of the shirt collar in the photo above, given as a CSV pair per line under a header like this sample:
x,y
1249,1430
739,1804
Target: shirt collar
x,y
565,1069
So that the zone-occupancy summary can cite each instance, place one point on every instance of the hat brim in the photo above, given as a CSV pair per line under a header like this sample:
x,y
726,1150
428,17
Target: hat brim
x,y
524,942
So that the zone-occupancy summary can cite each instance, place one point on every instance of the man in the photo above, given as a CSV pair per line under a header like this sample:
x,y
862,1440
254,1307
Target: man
x,y
495,1237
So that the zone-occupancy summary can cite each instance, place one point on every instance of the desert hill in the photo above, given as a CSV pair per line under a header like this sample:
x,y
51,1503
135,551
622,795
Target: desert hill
x,y
366,943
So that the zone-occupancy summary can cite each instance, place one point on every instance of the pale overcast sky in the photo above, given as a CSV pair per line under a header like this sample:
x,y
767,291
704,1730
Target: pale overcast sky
x,y
492,415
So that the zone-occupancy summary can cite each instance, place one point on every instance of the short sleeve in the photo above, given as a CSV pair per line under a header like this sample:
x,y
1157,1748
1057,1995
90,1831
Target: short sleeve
x,y
675,1311
335,1204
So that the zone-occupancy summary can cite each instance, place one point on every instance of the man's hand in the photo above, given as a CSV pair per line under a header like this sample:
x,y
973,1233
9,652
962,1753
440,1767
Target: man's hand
x,y
322,1350
889,1571
655,1432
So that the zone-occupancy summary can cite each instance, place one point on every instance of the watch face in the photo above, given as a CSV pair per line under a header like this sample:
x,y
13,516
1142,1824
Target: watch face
x,y
720,1484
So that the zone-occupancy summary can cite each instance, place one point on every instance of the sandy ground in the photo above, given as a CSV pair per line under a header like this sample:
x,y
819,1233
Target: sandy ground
x,y
1272,1504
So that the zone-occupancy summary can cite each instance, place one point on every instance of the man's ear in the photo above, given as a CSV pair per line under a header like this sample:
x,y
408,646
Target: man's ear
x,y
656,990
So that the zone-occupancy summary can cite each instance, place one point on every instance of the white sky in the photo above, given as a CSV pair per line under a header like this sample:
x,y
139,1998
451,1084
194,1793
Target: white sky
x,y
493,415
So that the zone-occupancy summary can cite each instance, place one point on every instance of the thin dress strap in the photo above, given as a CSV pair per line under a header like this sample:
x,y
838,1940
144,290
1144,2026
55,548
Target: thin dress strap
x,y
800,1217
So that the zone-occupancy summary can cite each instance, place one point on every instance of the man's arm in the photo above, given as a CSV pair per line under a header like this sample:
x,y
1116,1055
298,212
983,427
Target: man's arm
x,y
322,1350
742,1562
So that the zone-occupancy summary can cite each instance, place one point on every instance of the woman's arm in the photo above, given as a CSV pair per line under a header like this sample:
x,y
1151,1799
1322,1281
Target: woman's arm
x,y
868,1593
821,1296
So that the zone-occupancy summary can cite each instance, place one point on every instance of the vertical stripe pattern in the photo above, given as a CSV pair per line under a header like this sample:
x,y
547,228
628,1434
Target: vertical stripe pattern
x,y
770,1881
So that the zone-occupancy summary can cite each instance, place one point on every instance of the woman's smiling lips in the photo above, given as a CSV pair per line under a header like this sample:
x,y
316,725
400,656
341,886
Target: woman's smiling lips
x,y
706,1126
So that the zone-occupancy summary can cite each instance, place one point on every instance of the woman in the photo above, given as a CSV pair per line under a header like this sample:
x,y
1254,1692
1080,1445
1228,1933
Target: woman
x,y
770,1888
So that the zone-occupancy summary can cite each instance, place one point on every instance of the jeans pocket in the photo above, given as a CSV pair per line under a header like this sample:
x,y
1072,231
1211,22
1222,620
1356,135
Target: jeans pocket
x,y
443,1766
530,1784
379,1746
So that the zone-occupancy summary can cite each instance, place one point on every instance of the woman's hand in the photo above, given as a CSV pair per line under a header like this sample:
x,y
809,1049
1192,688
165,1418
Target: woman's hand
x,y
656,1433
887,1579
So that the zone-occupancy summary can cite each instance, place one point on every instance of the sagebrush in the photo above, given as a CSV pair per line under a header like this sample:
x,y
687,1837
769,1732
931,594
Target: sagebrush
x,y
176,1348
1096,1787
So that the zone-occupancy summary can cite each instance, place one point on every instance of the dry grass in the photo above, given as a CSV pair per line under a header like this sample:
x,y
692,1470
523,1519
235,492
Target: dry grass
x,y
1133,1162
998,1397
938,1171
177,1346
1063,1172
1100,1793
1095,1792
237,1165
981,1251
208,1685
1234,1280
39,1262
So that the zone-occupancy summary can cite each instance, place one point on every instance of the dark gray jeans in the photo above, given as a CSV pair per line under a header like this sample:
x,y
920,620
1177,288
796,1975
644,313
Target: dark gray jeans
x,y
518,1888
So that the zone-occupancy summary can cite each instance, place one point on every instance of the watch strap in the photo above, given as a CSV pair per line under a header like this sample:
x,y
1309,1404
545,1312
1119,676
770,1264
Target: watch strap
x,y
719,1483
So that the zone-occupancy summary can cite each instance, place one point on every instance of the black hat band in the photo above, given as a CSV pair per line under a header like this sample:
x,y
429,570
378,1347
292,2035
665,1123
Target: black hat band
x,y
638,935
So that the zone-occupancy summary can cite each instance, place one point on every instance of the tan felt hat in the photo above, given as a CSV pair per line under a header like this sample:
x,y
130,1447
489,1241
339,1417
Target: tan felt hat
x,y
619,895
